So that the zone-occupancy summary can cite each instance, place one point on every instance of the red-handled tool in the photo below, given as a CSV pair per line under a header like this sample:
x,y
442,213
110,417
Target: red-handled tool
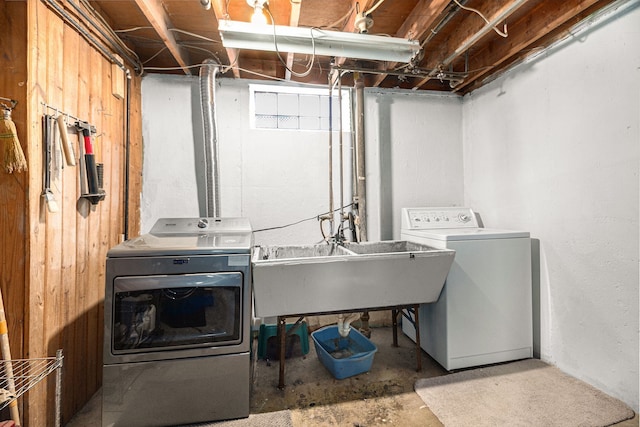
x,y
89,158
90,163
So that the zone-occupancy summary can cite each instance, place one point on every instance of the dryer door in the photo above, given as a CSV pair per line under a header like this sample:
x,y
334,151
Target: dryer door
x,y
165,312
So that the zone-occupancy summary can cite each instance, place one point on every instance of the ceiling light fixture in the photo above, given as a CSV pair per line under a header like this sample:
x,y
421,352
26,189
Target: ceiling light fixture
x,y
243,35
258,16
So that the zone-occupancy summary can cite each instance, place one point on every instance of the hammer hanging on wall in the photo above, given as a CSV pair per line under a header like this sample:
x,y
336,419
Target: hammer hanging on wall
x,y
89,158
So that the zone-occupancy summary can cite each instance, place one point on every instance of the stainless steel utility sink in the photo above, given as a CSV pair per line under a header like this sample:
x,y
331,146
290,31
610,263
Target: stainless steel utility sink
x,y
323,278
386,247
292,252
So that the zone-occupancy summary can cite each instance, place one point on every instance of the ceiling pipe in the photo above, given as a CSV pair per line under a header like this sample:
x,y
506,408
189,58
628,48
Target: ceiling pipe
x,y
473,40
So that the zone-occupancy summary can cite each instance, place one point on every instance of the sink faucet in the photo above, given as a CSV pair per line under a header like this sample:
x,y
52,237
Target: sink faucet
x,y
339,238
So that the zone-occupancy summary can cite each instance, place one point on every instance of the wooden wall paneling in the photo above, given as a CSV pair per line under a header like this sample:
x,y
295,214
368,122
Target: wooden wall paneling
x,y
34,413
61,289
53,220
71,397
82,229
13,74
94,219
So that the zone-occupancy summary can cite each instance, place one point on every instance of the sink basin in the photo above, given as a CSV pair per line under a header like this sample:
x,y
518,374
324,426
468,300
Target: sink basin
x,y
386,247
289,280
292,252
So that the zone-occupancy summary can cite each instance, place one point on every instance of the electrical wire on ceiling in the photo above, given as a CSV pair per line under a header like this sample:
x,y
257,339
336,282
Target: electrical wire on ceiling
x,y
177,30
185,44
128,30
470,9
97,33
373,8
155,55
309,65
173,68
213,54
105,24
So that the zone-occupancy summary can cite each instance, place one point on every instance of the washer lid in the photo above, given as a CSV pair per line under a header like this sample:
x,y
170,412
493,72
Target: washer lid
x,y
190,236
456,234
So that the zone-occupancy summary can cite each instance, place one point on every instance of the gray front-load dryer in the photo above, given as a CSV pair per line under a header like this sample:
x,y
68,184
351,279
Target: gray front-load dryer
x,y
177,324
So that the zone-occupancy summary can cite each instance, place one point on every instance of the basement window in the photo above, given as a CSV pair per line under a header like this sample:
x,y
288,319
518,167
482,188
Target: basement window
x,y
297,108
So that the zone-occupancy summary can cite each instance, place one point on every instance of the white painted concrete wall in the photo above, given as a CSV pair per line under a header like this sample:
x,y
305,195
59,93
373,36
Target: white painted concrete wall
x,y
272,177
552,147
276,177
169,175
414,155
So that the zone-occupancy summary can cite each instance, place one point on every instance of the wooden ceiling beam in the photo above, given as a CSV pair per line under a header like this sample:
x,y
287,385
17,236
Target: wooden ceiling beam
x,y
420,22
549,18
469,33
160,21
220,9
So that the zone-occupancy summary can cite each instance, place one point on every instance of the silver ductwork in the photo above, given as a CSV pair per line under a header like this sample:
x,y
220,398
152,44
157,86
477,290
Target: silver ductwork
x,y
208,72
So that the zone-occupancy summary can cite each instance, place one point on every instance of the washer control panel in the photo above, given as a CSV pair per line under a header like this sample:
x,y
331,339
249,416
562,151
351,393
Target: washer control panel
x,y
430,218
202,225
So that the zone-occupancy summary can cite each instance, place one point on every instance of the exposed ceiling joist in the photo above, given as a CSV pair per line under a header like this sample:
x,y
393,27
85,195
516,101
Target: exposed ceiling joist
x,y
219,8
553,16
421,20
473,29
159,20
460,51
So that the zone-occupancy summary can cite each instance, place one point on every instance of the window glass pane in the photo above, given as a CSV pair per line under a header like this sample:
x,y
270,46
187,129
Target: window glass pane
x,y
288,104
265,121
299,108
266,103
287,122
310,105
324,106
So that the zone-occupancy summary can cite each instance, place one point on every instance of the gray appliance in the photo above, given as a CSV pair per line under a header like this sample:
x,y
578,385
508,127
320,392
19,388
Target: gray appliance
x,y
177,324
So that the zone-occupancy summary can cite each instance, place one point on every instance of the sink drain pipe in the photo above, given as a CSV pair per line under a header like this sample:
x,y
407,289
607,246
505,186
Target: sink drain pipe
x,y
208,72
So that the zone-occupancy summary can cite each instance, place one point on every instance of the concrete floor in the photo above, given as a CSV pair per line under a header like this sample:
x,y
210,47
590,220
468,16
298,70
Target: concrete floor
x,y
383,396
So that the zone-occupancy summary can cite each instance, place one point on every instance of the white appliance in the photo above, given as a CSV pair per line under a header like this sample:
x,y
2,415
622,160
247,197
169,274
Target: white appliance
x,y
483,314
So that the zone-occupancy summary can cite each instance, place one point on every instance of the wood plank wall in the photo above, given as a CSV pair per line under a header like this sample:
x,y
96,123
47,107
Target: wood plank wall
x,y
13,187
53,264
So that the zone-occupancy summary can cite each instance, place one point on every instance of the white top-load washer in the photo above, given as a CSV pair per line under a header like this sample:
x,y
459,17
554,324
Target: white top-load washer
x,y
483,314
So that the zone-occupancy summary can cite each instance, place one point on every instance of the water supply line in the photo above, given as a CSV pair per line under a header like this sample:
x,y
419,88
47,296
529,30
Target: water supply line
x,y
208,72
361,180
342,217
330,218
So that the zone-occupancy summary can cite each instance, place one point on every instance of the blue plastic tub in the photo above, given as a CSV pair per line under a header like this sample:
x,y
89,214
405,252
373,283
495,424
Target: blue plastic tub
x,y
343,357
